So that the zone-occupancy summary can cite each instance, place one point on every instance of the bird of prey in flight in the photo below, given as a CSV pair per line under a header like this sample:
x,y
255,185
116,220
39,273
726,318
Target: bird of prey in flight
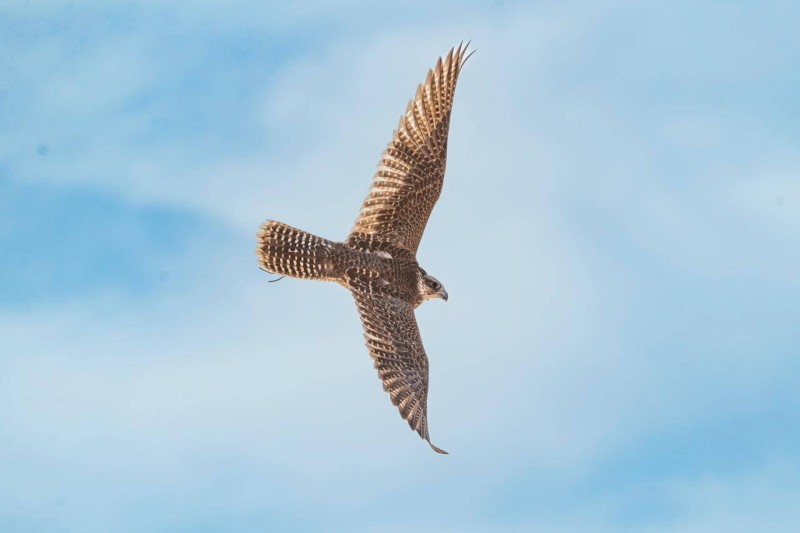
x,y
377,261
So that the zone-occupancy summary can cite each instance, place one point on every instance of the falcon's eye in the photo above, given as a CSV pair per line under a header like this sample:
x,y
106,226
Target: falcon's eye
x,y
435,285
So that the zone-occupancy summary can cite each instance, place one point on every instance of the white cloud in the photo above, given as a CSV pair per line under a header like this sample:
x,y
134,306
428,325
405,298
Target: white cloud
x,y
771,195
763,498
552,197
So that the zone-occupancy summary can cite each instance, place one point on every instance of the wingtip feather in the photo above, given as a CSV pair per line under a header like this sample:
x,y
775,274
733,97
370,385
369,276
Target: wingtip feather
x,y
438,450
464,56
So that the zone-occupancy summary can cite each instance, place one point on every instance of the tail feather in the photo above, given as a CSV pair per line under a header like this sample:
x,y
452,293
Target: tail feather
x,y
289,251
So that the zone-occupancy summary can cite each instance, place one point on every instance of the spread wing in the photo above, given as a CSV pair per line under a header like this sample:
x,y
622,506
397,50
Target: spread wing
x,y
392,336
411,171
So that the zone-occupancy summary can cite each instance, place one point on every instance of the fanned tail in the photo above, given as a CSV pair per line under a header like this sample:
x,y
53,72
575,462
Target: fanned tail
x,y
289,251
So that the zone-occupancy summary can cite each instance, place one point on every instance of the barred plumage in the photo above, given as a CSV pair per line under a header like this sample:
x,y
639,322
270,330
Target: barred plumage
x,y
411,171
293,252
378,261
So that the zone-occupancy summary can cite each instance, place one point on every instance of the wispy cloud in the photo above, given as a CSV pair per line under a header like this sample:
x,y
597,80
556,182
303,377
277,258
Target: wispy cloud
x,y
616,230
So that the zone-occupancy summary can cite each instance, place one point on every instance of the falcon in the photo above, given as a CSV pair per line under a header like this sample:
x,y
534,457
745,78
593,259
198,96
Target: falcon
x,y
377,262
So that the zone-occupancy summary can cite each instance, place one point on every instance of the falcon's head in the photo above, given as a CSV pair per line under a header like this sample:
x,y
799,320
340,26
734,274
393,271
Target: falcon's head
x,y
431,287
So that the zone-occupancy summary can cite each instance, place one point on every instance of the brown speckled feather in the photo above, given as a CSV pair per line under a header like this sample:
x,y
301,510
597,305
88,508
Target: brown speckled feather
x,y
392,336
411,171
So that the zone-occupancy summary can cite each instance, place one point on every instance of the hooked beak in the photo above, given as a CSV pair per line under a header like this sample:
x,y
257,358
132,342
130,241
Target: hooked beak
x,y
443,295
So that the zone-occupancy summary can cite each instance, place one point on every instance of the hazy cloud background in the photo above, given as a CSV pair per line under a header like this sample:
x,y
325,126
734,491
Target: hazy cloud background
x,y
619,232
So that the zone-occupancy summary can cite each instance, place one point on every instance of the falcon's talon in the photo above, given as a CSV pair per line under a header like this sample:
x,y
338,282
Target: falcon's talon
x,y
378,260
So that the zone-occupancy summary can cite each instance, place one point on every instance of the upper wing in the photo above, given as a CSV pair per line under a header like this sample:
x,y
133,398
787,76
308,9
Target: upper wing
x,y
411,171
392,337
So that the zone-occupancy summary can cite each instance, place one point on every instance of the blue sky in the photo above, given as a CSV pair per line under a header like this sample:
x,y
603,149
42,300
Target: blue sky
x,y
619,233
